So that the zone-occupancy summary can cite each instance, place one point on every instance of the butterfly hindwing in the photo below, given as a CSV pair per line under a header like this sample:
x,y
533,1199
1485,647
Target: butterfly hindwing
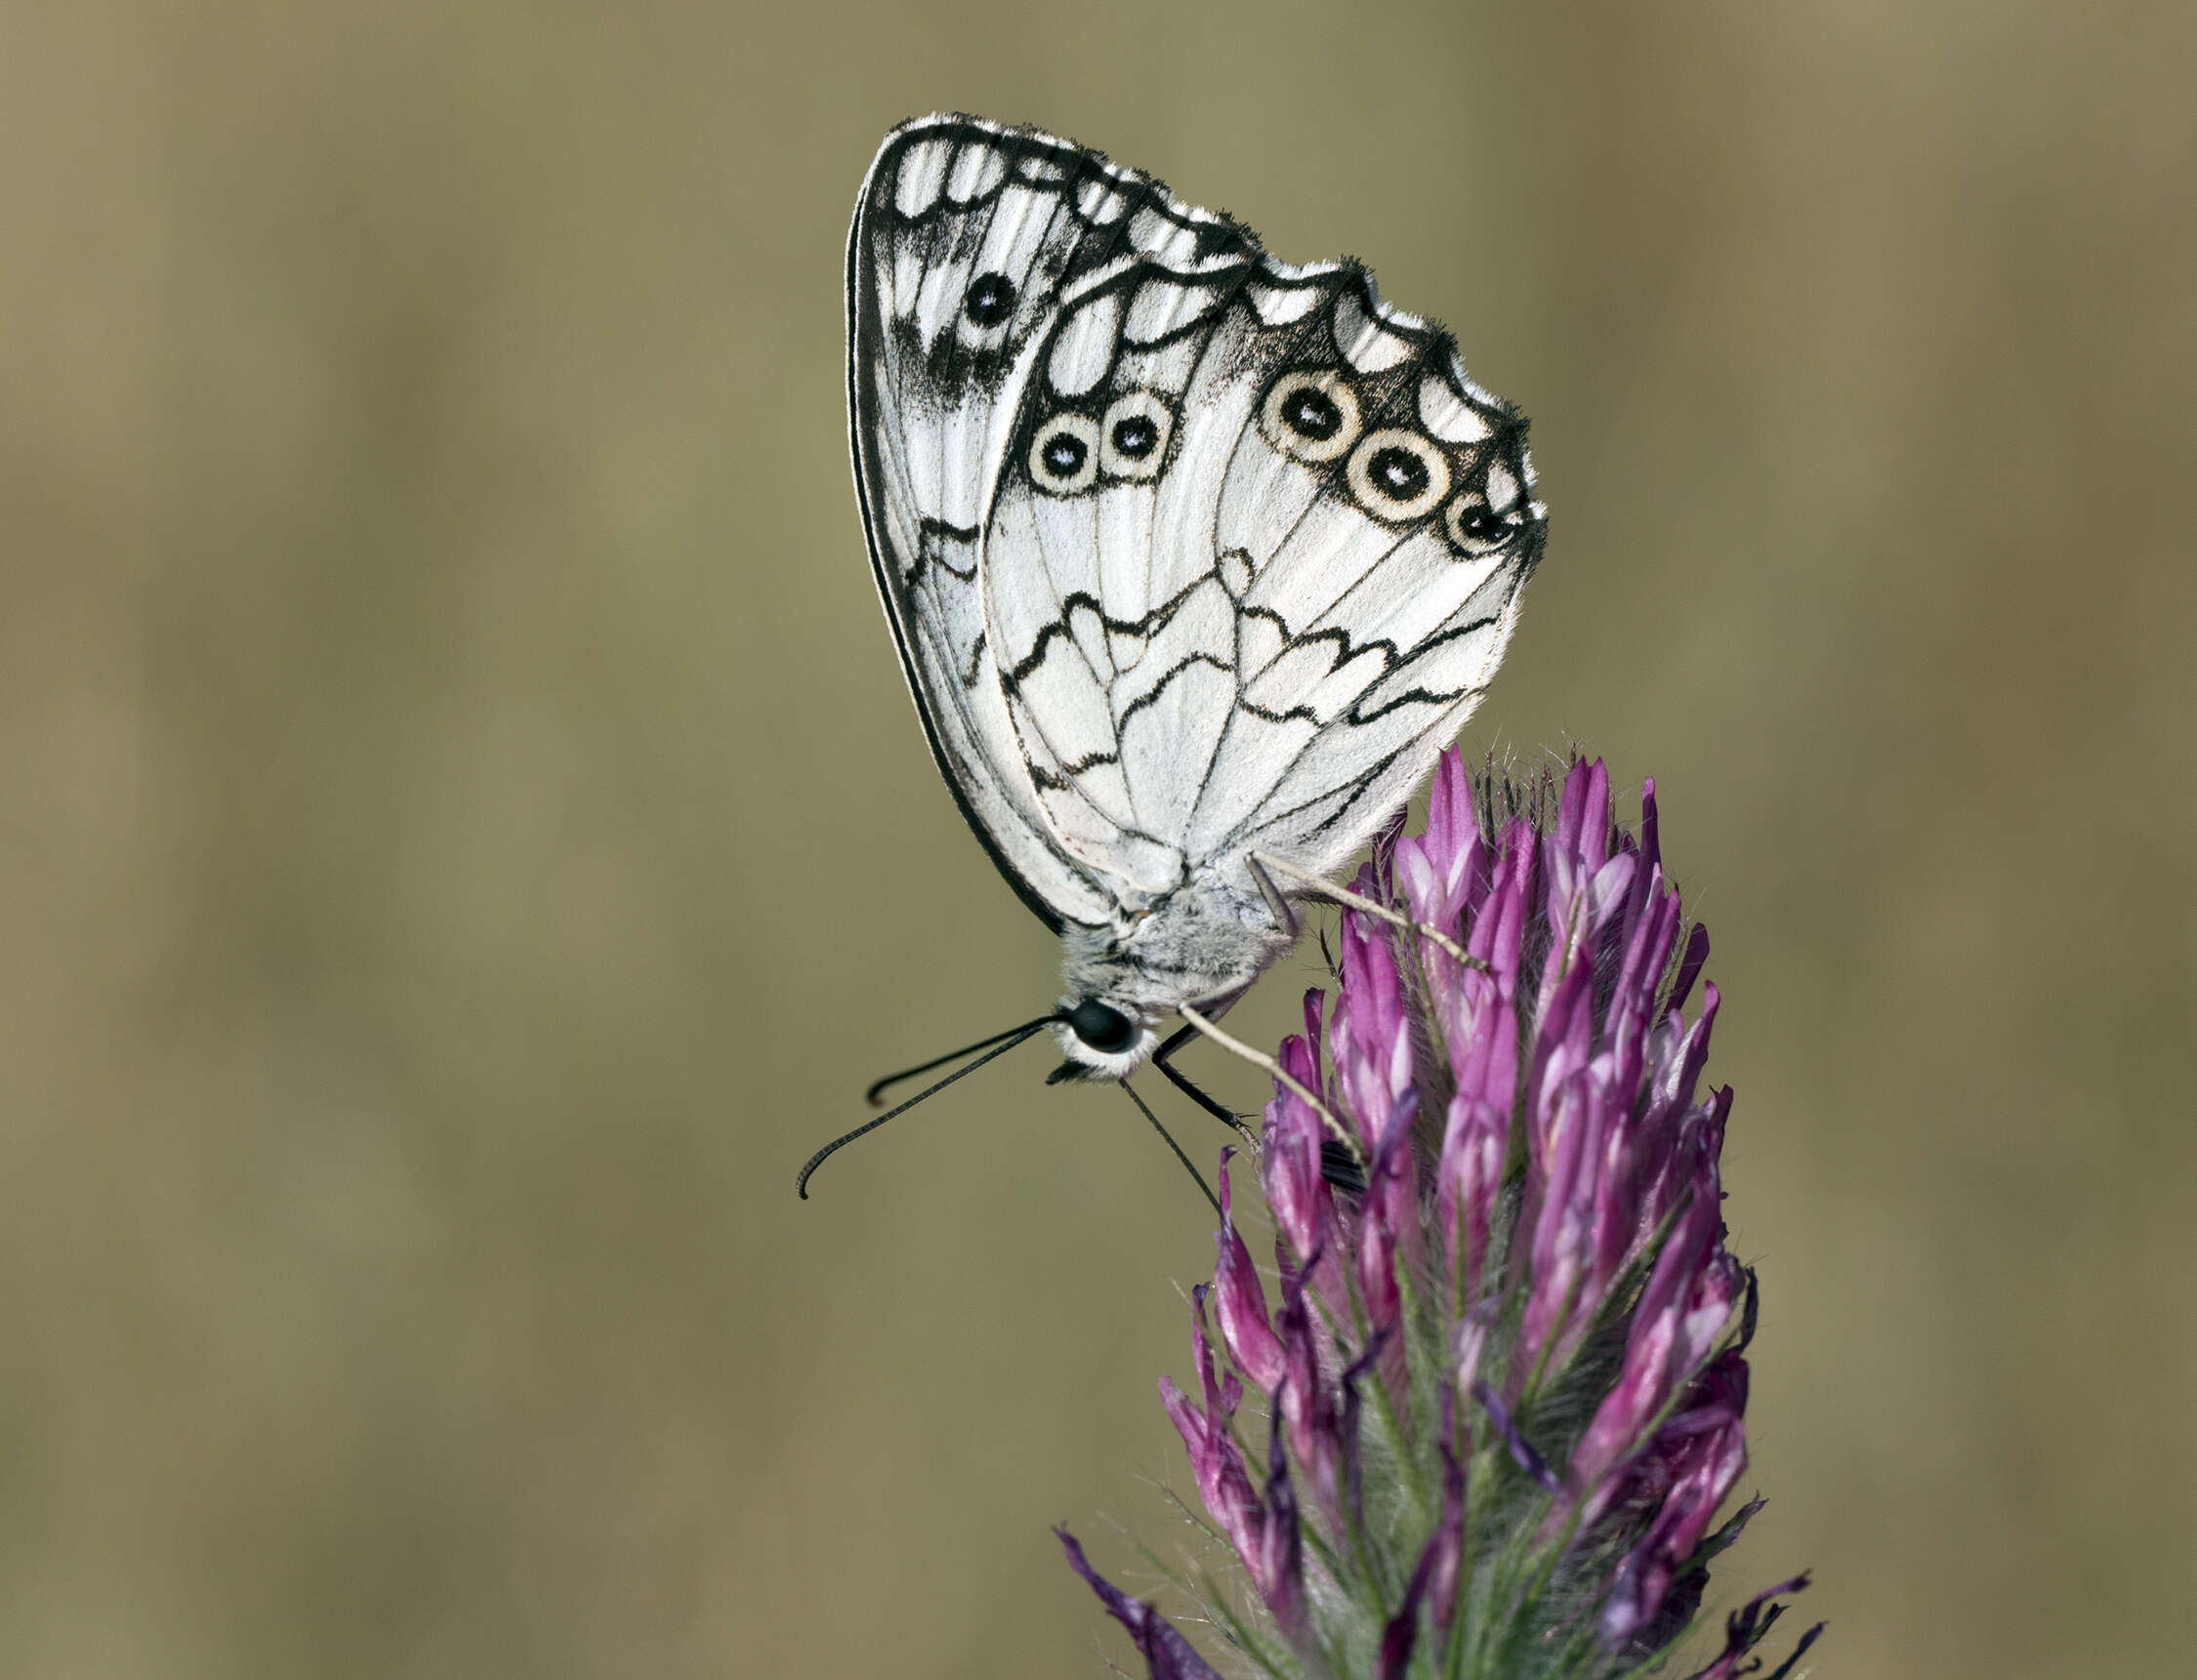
x,y
1250,577
1187,552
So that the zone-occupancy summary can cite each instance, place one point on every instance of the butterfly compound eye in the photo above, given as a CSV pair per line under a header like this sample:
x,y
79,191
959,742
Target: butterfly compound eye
x,y
1311,416
990,300
1106,1030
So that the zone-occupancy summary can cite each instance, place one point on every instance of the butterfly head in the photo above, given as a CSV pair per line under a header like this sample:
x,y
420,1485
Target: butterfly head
x,y
1102,1038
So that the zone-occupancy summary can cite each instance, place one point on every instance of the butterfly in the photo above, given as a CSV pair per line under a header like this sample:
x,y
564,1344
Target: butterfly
x,y
1194,558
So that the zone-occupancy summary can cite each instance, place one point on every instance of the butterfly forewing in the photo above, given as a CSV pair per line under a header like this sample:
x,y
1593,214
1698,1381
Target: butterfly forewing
x,y
1187,552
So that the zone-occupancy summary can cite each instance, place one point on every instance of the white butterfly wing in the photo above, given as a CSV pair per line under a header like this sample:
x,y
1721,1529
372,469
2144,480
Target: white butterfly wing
x,y
1385,573
929,383
963,236
1187,552
1256,625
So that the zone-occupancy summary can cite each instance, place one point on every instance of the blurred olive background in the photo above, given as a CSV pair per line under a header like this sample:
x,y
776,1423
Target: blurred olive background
x,y
465,838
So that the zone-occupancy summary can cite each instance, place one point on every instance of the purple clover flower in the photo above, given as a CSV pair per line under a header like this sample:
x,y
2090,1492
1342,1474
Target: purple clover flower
x,y
1505,1367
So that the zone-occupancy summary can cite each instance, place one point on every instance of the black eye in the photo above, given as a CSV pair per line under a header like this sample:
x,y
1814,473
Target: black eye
x,y
1310,412
1135,437
1064,454
990,300
1398,471
1481,524
1108,1031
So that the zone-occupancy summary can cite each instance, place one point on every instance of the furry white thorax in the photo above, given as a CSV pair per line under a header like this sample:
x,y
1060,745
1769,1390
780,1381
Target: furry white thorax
x,y
1202,943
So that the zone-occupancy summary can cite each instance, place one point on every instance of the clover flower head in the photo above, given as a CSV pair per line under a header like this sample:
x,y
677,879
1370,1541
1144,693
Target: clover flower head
x,y
1503,1382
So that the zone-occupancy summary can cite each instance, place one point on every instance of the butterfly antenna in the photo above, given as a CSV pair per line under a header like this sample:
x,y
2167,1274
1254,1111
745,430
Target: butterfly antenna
x,y
1195,1176
801,1183
876,1093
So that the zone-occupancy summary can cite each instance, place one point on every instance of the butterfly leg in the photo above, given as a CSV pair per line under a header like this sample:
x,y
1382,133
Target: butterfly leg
x,y
1337,1131
1338,1165
1277,904
1313,886
1162,1059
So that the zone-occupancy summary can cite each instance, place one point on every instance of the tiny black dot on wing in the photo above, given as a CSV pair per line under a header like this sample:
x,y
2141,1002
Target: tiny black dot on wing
x,y
1312,412
1064,455
1481,525
990,300
1398,471
1136,436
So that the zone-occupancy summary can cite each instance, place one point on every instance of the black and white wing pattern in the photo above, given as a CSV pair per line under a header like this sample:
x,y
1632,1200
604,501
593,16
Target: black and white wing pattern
x,y
1189,552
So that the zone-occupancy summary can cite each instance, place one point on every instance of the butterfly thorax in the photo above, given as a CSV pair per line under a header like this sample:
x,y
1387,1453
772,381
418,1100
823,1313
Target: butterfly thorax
x,y
1202,943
